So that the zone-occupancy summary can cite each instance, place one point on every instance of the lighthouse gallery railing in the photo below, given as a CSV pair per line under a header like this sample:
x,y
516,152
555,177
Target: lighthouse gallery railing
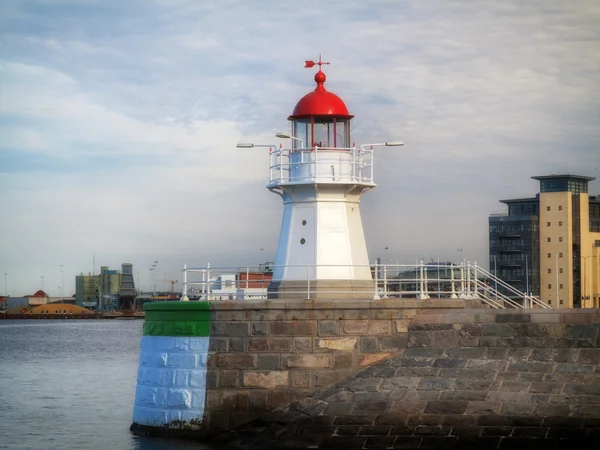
x,y
321,165
421,281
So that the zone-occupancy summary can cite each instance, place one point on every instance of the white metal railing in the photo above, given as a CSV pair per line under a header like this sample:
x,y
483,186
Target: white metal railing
x,y
421,281
321,164
528,300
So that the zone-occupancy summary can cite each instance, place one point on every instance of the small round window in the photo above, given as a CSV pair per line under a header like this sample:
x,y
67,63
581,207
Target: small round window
x,y
302,241
304,222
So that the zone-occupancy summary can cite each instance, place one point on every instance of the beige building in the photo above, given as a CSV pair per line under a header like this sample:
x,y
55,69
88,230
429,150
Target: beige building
x,y
552,241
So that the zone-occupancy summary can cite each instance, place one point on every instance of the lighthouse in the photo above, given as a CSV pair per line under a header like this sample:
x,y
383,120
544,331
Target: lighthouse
x,y
322,253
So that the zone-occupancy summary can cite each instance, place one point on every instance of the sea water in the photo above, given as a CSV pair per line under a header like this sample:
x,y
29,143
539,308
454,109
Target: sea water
x,y
70,384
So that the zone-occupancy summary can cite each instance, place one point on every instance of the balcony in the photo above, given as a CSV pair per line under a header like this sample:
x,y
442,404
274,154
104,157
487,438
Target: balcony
x,y
510,235
511,250
321,165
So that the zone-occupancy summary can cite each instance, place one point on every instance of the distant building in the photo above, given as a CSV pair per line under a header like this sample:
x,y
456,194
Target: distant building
x,y
108,289
102,292
549,244
39,298
28,301
87,290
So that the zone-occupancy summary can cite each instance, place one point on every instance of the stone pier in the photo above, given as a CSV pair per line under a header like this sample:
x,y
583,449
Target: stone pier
x,y
399,374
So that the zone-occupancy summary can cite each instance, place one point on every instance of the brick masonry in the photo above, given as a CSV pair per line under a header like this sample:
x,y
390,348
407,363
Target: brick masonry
x,y
453,379
268,354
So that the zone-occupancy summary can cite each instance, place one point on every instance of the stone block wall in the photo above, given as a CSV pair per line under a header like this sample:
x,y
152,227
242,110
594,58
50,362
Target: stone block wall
x,y
267,354
466,379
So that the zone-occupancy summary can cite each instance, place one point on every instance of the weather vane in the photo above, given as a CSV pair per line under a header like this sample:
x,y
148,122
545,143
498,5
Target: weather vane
x,y
309,64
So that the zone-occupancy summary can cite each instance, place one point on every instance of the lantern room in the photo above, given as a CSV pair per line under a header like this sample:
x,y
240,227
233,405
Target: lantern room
x,y
320,118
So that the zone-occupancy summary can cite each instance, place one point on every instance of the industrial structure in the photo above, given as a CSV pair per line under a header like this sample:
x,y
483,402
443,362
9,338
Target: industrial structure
x,y
127,291
549,245
110,290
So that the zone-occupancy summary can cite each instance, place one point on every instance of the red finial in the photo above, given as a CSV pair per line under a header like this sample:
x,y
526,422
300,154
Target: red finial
x,y
319,76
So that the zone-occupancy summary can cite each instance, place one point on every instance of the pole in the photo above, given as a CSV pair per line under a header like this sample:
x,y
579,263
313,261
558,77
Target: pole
x,y
526,275
385,281
62,283
184,297
5,284
495,277
452,275
376,293
438,277
208,282
475,281
469,280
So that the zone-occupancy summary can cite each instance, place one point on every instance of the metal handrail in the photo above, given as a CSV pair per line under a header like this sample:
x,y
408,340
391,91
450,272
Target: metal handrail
x,y
418,280
526,297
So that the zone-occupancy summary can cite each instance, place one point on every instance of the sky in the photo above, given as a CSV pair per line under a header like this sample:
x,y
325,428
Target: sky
x,y
119,122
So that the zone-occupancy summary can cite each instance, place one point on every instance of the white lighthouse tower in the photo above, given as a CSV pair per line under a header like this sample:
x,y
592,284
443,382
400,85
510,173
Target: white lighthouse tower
x,y
322,252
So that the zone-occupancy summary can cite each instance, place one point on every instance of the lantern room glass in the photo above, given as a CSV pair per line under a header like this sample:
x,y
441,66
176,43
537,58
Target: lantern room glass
x,y
328,132
301,128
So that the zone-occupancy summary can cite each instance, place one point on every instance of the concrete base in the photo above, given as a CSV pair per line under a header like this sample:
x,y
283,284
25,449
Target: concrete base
x,y
321,290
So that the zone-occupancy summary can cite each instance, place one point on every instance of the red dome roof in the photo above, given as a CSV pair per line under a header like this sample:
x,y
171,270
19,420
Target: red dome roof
x,y
320,102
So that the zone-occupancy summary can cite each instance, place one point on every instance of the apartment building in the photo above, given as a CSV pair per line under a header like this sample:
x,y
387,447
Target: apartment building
x,y
549,244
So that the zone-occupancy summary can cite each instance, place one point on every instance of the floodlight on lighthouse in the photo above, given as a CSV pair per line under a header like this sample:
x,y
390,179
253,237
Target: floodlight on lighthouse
x,y
289,136
252,145
384,144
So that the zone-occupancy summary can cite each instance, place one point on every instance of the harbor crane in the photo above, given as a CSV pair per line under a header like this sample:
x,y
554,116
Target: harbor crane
x,y
172,284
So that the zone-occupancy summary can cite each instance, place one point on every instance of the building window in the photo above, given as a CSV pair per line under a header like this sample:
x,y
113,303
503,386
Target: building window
x,y
549,270
560,270
547,224
549,239
560,239
560,286
547,208
549,286
560,255
559,207
560,224
549,302
549,255
561,302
